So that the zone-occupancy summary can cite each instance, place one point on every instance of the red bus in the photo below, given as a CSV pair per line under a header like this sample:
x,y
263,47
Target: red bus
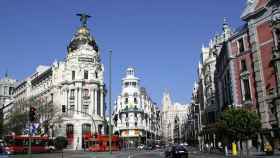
x,y
20,144
100,143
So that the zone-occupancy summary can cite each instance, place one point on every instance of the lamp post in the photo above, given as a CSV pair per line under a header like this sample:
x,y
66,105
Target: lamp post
x,y
110,100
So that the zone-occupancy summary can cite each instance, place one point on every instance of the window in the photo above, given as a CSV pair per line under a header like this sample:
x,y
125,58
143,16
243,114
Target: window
x,y
86,93
71,110
241,45
246,89
135,100
85,74
277,33
96,75
126,100
126,84
72,94
127,124
134,84
73,75
5,90
136,124
11,89
243,65
85,110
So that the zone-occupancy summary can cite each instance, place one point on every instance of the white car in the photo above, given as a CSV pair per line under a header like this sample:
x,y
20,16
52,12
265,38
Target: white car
x,y
140,146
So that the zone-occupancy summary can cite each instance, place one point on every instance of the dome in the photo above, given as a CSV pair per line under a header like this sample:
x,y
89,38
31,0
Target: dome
x,y
82,37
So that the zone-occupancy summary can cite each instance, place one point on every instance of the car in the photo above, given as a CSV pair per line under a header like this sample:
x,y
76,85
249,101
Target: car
x,y
2,147
141,146
176,151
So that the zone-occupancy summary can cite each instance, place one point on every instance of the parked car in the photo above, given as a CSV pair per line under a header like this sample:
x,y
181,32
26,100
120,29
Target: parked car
x,y
141,146
2,147
176,151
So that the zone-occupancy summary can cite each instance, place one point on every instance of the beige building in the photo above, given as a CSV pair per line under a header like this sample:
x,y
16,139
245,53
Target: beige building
x,y
173,116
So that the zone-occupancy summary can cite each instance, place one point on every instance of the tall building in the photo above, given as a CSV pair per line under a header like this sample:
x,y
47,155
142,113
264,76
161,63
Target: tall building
x,y
136,117
173,116
76,83
7,86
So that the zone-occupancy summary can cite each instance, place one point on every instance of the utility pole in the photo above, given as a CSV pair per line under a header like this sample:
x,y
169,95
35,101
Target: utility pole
x,y
110,100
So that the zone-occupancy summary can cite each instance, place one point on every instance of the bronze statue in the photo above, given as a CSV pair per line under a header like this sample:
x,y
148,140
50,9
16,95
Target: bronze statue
x,y
83,18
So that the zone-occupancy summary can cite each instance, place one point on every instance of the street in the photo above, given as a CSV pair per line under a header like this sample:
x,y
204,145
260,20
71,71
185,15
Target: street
x,y
123,154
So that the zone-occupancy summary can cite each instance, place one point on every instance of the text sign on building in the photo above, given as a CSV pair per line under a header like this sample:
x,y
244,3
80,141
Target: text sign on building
x,y
85,59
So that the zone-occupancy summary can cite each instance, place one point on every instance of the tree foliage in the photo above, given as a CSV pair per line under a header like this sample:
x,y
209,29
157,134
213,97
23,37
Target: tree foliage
x,y
239,124
47,115
60,143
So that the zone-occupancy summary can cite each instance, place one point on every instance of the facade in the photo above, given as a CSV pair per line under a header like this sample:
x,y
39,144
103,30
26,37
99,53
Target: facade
x,y
76,83
173,116
207,69
246,71
7,85
262,17
136,117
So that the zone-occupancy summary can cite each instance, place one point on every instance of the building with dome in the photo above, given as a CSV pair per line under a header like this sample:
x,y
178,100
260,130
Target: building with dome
x,y
76,83
136,118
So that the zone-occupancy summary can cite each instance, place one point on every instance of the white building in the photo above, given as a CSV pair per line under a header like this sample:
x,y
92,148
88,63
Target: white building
x,y
173,117
7,85
136,117
76,83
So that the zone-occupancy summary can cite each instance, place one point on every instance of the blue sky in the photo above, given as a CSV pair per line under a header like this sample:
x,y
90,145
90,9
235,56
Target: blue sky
x,y
162,39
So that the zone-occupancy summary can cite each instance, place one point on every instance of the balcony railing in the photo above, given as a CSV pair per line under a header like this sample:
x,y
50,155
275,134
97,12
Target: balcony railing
x,y
134,109
86,97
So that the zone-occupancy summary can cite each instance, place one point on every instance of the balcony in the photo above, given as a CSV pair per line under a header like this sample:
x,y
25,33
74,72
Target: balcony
x,y
134,109
86,97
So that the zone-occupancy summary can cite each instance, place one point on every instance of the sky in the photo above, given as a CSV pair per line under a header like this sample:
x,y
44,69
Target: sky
x,y
161,39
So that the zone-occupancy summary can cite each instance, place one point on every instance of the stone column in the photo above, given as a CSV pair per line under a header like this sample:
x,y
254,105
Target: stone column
x,y
95,101
92,108
101,102
77,100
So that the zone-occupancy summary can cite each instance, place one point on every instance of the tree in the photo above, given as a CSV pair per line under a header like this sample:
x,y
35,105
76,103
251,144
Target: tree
x,y
46,115
60,143
239,125
17,123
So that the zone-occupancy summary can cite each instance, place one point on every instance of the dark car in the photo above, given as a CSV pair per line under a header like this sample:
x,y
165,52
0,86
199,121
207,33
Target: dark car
x,y
177,151
2,148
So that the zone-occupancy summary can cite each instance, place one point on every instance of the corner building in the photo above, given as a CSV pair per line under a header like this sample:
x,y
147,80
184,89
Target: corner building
x,y
136,117
76,83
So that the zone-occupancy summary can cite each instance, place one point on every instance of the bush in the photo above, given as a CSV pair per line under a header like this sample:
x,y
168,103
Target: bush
x,y
60,143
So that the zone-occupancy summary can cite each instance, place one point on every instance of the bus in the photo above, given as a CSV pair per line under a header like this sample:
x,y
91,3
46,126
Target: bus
x,y
100,143
19,144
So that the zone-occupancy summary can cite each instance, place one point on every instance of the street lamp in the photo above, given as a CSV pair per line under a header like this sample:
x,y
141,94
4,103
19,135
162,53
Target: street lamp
x,y
110,100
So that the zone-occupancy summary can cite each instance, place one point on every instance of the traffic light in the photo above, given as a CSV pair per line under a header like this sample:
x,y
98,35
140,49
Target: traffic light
x,y
63,108
32,114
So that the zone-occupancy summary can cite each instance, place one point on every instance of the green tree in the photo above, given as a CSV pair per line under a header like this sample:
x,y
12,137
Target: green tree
x,y
17,123
47,115
239,125
60,143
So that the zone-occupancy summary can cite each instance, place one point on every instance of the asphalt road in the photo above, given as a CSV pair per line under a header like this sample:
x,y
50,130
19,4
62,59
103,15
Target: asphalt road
x,y
141,154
